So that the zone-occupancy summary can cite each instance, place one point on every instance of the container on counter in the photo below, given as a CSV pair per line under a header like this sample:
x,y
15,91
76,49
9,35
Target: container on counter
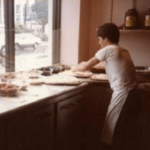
x,y
147,19
131,19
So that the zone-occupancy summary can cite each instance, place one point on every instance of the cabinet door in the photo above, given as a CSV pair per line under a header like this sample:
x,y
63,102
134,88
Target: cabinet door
x,y
69,123
3,140
97,101
31,130
144,121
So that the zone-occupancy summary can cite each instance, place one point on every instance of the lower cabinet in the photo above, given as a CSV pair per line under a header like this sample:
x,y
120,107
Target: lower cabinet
x,y
80,118
3,137
70,116
97,101
31,130
72,123
144,121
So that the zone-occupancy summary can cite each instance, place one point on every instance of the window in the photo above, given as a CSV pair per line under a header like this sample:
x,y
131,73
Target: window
x,y
17,8
32,35
29,34
17,18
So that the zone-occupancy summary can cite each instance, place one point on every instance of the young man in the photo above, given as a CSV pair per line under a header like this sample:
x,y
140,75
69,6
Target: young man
x,y
120,71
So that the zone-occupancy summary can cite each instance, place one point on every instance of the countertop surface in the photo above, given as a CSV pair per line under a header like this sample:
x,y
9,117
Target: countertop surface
x,y
35,94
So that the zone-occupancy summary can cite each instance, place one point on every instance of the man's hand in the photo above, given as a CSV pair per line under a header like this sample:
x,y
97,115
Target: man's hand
x,y
100,65
78,67
86,65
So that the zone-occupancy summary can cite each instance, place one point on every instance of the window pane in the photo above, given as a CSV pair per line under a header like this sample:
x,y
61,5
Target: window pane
x,y
33,25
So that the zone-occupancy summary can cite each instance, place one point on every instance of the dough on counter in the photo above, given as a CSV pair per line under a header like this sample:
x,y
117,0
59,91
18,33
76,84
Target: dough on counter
x,y
80,74
100,76
62,79
36,82
33,77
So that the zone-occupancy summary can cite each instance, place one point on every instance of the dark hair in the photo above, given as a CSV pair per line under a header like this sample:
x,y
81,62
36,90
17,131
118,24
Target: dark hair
x,y
110,31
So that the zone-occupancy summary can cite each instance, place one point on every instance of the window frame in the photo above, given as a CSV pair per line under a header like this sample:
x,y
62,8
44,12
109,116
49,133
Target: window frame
x,y
10,33
56,31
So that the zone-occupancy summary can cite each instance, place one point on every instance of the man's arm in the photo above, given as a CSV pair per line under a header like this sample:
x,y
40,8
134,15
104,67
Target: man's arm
x,y
86,65
100,65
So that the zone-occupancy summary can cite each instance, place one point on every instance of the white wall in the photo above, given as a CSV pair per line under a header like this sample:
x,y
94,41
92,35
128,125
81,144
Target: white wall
x,y
69,46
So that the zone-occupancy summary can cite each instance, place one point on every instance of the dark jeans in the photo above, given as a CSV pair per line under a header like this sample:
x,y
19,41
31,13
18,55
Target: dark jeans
x,y
126,131
104,146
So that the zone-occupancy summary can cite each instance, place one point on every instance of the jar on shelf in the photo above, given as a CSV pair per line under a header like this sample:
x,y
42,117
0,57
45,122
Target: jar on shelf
x,y
147,19
131,19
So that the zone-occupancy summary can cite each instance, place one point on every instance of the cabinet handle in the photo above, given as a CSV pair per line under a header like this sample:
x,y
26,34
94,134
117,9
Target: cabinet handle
x,y
68,106
79,101
42,117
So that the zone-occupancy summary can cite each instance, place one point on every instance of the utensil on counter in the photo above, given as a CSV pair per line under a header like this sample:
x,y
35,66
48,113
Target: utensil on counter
x,y
53,69
47,71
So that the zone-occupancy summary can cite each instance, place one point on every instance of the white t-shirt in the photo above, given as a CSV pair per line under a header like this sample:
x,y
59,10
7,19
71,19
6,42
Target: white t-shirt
x,y
119,66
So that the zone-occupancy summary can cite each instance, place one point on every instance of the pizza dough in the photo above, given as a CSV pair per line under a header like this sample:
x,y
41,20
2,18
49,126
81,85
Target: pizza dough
x,y
100,76
85,74
62,79
36,82
33,77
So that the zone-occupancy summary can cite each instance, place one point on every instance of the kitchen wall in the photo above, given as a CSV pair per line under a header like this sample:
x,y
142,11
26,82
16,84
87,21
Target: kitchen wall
x,y
137,42
69,45
80,19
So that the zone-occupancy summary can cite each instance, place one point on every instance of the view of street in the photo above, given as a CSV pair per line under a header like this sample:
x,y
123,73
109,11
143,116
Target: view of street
x,y
32,22
27,57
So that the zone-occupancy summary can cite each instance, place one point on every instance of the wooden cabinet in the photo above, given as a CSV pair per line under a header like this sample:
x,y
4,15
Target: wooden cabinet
x,y
97,101
3,131
70,121
79,119
144,121
31,129
69,117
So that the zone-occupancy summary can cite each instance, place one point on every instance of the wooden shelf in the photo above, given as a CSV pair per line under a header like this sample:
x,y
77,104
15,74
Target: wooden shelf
x,y
135,30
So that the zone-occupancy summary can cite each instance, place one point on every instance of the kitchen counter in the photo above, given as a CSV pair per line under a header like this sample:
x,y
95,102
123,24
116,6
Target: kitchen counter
x,y
29,120
35,94
43,92
55,116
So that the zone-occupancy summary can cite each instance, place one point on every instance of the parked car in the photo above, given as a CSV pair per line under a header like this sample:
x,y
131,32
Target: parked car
x,y
21,40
